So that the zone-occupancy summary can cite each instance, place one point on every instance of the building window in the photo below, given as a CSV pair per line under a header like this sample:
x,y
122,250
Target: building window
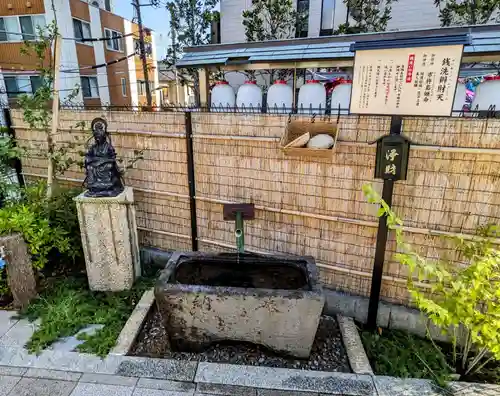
x,y
90,88
17,85
114,40
95,3
302,25
327,17
20,28
124,86
82,30
107,5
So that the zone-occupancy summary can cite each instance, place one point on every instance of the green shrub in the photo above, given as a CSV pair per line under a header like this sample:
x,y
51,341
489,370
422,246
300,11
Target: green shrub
x,y
49,226
463,301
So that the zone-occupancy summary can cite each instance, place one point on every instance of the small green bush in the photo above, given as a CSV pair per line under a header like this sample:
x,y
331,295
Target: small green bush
x,y
49,226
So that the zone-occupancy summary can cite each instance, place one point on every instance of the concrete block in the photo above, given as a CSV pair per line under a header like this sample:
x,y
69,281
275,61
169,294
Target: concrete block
x,y
134,323
354,347
108,379
173,386
110,243
84,389
53,374
174,370
286,379
42,387
276,392
411,320
391,386
198,315
225,390
7,383
13,371
156,392
472,389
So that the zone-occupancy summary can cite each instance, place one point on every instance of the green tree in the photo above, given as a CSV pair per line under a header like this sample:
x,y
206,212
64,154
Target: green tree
x,y
467,12
37,107
367,15
271,20
190,22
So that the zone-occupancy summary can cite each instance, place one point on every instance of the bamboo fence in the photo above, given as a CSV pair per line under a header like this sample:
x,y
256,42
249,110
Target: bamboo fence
x,y
304,205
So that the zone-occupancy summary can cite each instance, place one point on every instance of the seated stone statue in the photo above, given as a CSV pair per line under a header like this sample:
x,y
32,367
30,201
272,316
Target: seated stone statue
x,y
103,178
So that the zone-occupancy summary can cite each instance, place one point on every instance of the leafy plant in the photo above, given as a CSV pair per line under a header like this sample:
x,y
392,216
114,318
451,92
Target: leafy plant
x,y
368,16
461,300
67,306
399,354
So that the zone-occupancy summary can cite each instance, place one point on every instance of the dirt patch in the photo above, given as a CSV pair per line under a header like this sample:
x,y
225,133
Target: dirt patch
x,y
328,353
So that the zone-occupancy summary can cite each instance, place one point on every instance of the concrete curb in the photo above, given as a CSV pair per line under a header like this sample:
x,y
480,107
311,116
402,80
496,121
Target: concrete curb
x,y
354,347
134,324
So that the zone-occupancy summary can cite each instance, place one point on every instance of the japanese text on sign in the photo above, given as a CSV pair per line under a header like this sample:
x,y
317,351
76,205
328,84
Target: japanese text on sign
x,y
406,81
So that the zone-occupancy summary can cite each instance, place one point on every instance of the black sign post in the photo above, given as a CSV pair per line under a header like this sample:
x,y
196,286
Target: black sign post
x,y
391,165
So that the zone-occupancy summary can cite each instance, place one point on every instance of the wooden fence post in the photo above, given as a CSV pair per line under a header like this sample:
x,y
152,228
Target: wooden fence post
x,y
191,181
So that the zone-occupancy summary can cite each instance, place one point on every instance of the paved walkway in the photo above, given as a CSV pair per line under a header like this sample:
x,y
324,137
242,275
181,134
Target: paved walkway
x,y
61,372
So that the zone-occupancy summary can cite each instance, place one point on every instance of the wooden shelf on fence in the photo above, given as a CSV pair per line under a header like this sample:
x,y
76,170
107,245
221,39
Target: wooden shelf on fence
x,y
297,129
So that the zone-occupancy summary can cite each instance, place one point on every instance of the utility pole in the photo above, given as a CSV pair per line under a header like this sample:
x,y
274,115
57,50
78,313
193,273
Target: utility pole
x,y
142,50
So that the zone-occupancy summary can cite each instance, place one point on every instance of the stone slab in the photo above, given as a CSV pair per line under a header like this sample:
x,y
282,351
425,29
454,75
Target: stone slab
x,y
69,344
276,392
156,392
16,357
174,386
354,347
53,374
286,379
158,368
68,361
42,387
109,379
134,323
472,389
13,371
7,383
225,390
7,320
19,334
84,389
391,386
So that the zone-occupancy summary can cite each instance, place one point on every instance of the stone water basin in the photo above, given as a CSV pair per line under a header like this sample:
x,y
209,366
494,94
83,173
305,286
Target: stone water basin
x,y
274,301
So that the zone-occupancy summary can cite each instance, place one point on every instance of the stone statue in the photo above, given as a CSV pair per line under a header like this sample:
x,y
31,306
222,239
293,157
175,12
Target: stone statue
x,y
103,178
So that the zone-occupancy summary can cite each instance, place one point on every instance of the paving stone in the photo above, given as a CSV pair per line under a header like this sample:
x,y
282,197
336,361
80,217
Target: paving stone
x,y
286,379
19,334
472,389
69,344
68,361
84,389
7,383
53,374
390,386
276,392
42,387
16,356
157,368
15,371
7,321
108,379
225,390
174,386
156,392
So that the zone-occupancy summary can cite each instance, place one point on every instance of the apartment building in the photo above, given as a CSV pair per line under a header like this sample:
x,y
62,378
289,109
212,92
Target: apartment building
x,y
326,15
120,84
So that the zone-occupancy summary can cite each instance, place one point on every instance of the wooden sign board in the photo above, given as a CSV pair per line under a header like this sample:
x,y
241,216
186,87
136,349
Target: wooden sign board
x,y
406,81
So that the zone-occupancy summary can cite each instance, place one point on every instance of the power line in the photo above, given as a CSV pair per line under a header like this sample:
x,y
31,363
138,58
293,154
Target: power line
x,y
105,64
88,39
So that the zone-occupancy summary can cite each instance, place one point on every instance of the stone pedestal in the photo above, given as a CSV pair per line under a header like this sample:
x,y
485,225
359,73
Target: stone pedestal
x,y
109,238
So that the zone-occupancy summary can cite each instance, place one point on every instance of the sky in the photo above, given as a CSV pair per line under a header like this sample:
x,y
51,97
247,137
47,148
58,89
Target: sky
x,y
154,18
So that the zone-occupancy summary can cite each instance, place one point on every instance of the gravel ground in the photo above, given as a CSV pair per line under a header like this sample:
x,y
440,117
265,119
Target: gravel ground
x,y
328,353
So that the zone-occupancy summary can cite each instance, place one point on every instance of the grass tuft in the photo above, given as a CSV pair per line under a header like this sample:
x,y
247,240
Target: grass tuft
x,y
67,306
